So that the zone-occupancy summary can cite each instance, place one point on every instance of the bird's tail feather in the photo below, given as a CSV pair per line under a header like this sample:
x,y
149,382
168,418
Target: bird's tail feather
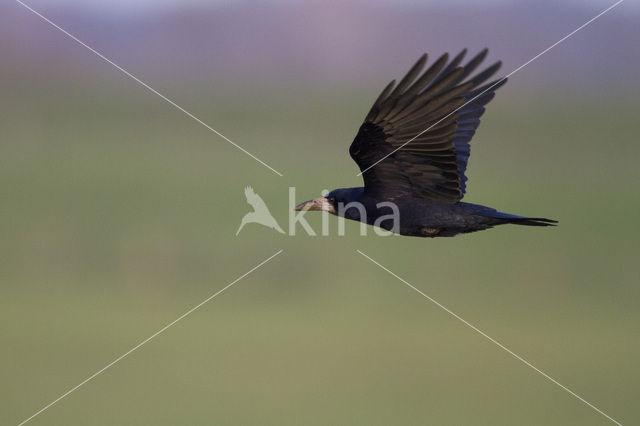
x,y
520,220
532,221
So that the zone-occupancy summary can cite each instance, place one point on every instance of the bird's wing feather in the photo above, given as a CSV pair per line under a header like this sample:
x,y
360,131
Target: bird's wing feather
x,y
433,164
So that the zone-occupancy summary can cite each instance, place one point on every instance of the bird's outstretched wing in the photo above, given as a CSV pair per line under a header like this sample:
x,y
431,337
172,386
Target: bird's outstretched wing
x,y
255,200
433,164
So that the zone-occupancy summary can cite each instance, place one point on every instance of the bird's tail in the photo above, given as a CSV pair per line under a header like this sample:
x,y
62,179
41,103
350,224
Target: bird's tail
x,y
532,221
502,218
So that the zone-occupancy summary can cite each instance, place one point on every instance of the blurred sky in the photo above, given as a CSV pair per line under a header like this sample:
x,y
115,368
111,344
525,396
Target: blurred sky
x,y
357,41
149,6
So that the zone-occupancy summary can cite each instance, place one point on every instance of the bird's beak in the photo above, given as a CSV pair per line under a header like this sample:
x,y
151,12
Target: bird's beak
x,y
318,204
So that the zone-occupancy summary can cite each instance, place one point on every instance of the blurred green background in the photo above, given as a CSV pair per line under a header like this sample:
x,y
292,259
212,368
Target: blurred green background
x,y
119,214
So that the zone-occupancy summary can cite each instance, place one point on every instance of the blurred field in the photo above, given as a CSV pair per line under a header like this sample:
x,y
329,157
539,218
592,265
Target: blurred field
x,y
119,214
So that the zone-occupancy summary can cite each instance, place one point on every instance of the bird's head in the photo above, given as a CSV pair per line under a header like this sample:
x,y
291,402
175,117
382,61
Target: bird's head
x,y
331,202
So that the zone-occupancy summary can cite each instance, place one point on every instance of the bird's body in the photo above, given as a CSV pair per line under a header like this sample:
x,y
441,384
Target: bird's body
x,y
422,217
413,149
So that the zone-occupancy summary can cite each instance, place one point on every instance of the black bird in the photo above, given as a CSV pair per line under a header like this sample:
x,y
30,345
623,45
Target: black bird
x,y
425,178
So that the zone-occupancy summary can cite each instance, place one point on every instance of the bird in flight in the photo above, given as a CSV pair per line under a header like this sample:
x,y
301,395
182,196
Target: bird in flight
x,y
413,149
260,213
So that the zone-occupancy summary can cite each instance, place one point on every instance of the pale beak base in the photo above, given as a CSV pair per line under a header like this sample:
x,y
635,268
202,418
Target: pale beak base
x,y
317,204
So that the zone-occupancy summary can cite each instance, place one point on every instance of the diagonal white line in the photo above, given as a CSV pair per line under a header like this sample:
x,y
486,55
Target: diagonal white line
x,y
148,339
500,345
146,86
494,84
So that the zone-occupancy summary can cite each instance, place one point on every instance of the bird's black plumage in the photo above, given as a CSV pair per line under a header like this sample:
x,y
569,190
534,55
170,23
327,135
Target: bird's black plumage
x,y
413,149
